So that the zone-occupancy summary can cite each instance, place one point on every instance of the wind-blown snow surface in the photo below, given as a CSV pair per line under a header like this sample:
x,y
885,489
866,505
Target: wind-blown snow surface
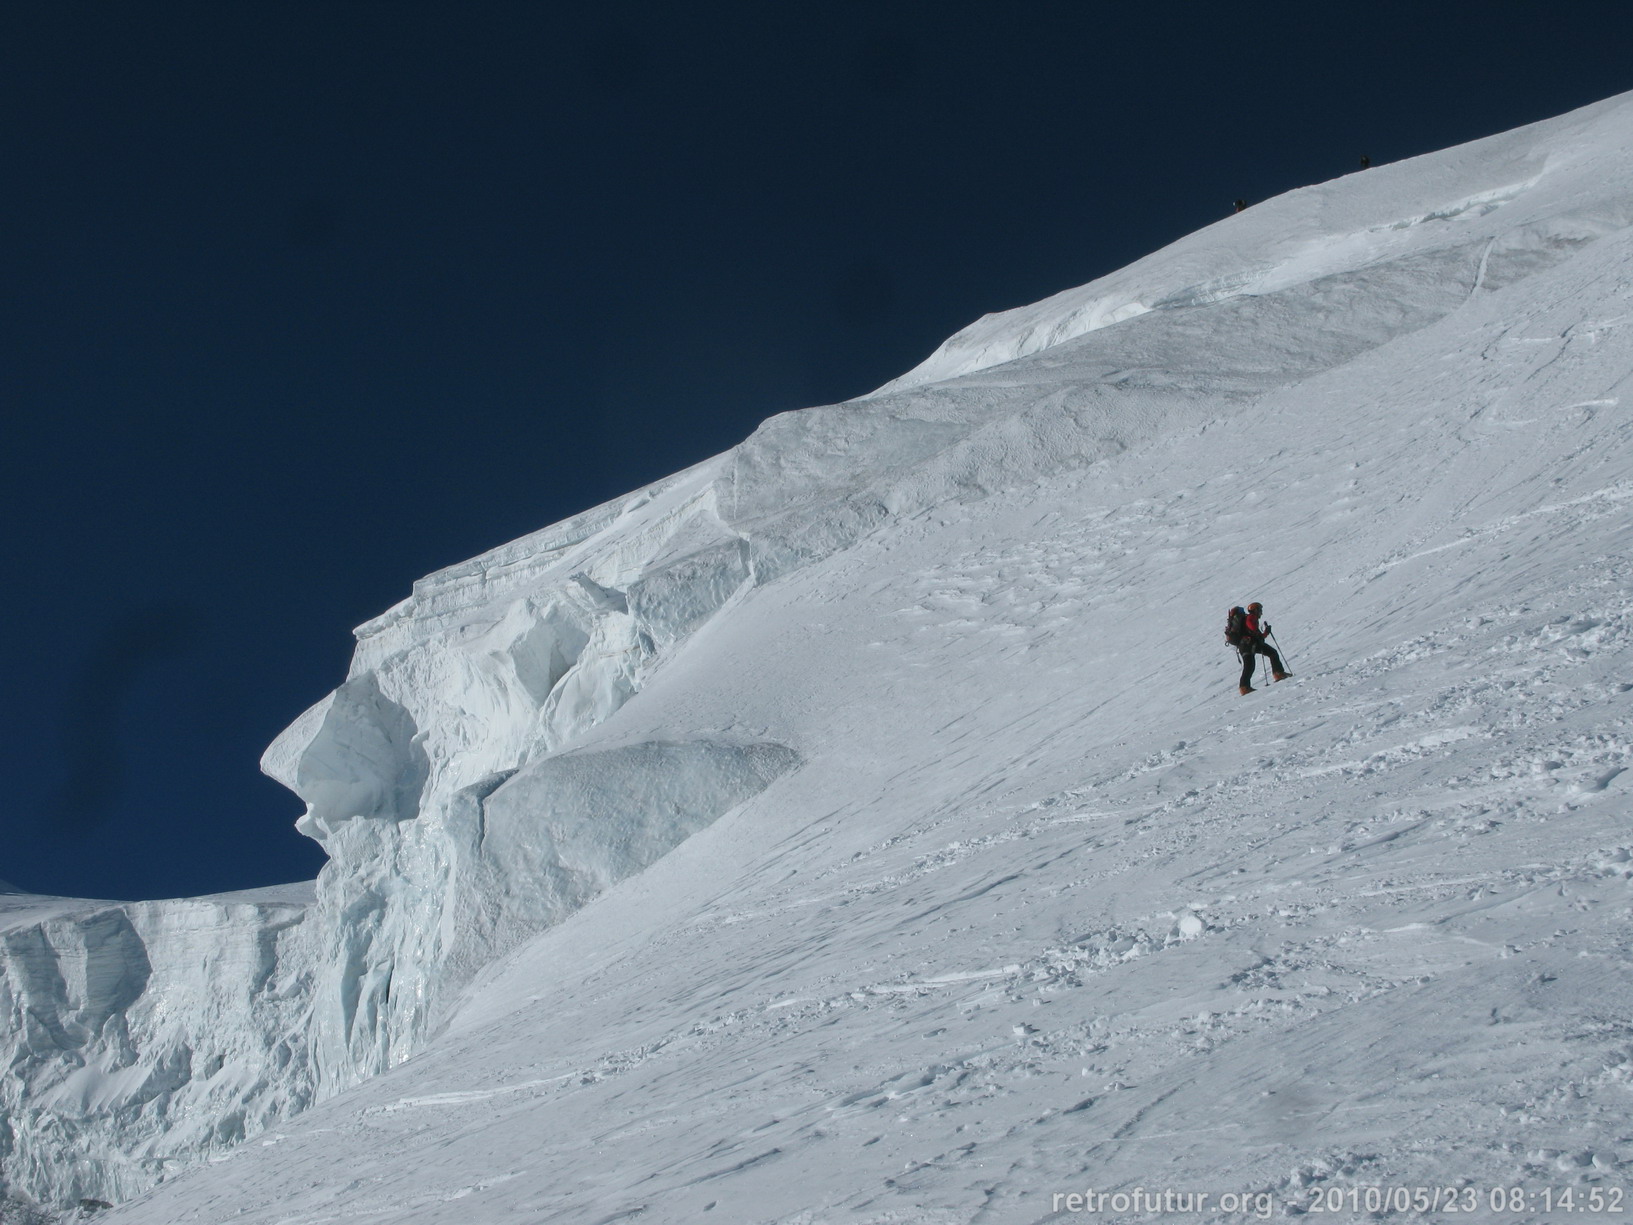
x,y
864,825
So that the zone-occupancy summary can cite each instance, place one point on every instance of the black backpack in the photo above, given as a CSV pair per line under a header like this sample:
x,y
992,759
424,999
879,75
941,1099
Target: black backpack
x,y
1236,626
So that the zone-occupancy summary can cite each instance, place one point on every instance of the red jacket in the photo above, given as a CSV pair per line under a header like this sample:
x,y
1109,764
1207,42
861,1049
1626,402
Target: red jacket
x,y
1253,627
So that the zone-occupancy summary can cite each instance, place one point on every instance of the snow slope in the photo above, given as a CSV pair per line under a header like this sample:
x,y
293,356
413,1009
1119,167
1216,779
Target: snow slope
x,y
863,824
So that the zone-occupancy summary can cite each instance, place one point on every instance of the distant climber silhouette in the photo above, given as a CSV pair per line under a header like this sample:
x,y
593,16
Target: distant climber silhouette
x,y
1241,205
1366,162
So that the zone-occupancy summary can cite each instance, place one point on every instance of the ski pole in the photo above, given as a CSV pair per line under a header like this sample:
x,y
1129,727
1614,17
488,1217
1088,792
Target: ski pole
x,y
1274,641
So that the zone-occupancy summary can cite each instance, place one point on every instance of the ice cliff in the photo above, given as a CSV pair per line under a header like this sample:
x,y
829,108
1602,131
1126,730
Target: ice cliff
x,y
142,1035
494,761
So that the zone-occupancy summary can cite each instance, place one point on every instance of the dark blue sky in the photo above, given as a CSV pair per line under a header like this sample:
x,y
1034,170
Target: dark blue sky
x,y
304,301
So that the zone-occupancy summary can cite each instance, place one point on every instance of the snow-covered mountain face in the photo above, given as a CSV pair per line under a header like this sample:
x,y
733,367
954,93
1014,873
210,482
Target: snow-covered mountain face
x,y
865,820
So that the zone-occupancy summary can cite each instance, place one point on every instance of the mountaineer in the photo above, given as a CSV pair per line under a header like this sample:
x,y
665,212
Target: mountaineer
x,y
1244,632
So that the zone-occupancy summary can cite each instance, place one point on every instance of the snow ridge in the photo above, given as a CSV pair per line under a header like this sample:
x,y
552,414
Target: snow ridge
x,y
1518,199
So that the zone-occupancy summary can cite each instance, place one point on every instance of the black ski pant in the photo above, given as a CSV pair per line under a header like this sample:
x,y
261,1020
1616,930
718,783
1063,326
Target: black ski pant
x,y
1249,650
